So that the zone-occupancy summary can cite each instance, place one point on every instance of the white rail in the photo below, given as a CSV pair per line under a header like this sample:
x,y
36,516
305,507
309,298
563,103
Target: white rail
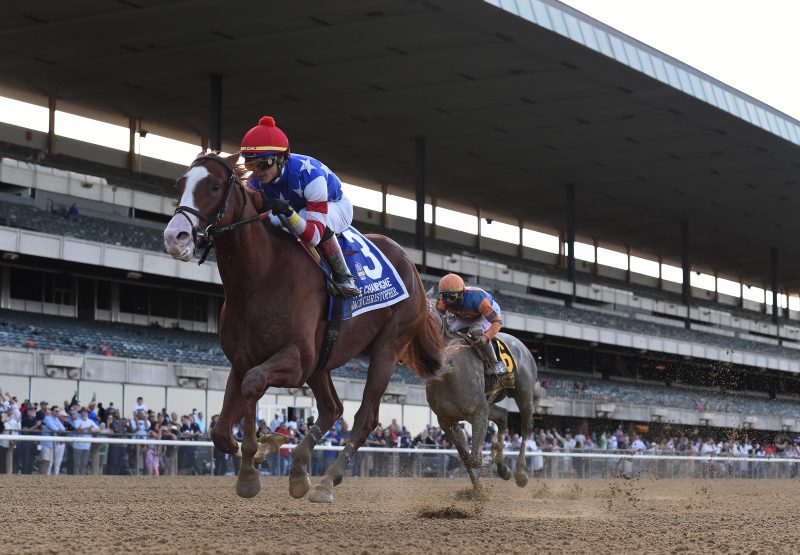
x,y
559,454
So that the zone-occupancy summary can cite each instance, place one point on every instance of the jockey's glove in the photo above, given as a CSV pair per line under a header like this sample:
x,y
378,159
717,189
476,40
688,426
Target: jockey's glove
x,y
278,206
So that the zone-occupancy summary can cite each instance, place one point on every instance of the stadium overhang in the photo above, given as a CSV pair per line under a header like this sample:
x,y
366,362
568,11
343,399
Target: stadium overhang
x,y
515,100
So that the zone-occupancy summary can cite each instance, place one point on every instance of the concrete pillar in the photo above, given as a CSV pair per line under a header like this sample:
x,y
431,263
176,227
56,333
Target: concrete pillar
x,y
773,252
51,125
215,113
686,267
570,202
419,144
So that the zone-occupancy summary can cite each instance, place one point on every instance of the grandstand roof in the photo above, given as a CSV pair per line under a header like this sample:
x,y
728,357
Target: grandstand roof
x,y
512,109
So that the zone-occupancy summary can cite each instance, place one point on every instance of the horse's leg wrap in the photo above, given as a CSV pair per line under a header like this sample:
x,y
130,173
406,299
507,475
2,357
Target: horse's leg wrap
x,y
299,482
323,493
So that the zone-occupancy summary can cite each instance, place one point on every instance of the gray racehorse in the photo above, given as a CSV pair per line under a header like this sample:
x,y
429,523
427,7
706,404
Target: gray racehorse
x,y
458,394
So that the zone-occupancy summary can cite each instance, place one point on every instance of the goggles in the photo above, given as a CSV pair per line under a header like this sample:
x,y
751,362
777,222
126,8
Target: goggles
x,y
262,163
450,296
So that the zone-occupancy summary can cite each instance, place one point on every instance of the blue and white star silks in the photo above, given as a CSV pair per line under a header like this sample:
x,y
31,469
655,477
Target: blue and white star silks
x,y
304,181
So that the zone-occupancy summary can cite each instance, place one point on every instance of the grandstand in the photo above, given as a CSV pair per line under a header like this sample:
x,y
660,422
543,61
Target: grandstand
x,y
98,288
602,305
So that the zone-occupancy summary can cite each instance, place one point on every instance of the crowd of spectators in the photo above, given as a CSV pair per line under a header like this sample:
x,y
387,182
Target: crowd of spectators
x,y
93,419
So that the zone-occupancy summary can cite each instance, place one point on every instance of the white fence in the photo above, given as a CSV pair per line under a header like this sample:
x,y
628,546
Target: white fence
x,y
405,462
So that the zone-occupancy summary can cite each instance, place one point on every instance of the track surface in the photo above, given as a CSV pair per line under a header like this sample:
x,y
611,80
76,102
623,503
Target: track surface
x,y
372,515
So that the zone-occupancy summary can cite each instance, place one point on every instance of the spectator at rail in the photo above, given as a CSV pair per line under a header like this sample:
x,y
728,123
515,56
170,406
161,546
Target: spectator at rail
x,y
52,453
100,462
273,425
11,424
73,212
117,453
42,411
153,452
80,451
199,419
170,432
139,407
27,449
187,455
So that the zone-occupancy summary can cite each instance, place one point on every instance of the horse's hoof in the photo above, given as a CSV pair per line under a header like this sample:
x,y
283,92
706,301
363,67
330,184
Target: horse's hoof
x,y
321,494
504,473
299,486
249,488
521,479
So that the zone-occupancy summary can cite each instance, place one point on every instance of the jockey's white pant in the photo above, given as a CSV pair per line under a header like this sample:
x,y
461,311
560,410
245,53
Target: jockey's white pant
x,y
461,323
338,218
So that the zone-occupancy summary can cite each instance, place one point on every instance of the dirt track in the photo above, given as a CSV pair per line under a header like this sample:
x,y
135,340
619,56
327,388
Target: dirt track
x,y
189,515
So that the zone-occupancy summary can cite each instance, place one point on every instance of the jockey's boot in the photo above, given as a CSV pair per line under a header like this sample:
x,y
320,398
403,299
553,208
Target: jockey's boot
x,y
496,367
332,253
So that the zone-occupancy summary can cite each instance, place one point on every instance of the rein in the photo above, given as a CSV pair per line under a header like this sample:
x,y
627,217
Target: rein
x,y
213,230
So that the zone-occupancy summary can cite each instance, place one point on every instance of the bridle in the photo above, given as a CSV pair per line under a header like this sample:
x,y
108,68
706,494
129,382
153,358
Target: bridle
x,y
209,232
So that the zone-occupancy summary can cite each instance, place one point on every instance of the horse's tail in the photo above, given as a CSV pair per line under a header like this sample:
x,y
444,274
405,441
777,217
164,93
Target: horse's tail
x,y
426,354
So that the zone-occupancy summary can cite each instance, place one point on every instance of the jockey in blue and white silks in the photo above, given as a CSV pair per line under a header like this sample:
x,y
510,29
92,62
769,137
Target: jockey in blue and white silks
x,y
314,192
303,190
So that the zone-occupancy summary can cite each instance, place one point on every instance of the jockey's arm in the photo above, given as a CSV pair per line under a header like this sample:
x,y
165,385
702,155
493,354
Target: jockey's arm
x,y
310,228
492,316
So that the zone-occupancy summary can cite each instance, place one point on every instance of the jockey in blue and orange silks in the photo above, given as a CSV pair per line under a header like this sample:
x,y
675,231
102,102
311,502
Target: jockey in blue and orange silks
x,y
304,190
475,309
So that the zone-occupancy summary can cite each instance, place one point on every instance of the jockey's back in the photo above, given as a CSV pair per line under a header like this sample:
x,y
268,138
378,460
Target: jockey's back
x,y
477,303
304,181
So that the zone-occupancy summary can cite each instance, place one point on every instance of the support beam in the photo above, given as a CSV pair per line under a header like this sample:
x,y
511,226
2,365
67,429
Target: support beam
x,y
51,125
478,242
570,202
215,113
384,215
773,254
132,125
520,248
419,144
686,267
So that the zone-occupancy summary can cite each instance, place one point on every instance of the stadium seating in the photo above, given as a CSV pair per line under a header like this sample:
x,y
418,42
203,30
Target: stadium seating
x,y
583,387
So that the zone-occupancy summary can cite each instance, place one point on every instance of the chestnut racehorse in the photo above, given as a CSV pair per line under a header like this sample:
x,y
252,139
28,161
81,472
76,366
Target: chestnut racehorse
x,y
272,324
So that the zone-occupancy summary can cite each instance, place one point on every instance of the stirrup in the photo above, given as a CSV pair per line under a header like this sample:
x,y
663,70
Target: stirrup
x,y
499,369
347,286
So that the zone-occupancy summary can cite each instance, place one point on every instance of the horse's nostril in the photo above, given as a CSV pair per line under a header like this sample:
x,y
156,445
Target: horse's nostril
x,y
182,236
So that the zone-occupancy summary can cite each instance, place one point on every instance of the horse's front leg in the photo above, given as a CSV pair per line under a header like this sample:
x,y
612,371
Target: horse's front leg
x,y
276,369
221,433
499,416
380,371
456,437
330,408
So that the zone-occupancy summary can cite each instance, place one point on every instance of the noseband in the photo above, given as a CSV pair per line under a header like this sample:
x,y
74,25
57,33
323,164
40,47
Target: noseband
x,y
212,230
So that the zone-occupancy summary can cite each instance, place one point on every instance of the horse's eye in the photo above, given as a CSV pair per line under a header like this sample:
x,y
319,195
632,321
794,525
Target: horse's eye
x,y
215,187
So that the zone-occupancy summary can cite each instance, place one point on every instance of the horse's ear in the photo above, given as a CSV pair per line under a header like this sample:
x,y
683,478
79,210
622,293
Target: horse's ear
x,y
429,293
200,154
233,161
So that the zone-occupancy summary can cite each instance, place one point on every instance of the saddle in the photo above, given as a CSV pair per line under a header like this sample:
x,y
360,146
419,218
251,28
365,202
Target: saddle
x,y
494,384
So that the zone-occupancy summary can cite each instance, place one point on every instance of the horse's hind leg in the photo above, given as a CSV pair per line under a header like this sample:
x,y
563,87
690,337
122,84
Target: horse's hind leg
x,y
330,408
499,416
526,414
380,371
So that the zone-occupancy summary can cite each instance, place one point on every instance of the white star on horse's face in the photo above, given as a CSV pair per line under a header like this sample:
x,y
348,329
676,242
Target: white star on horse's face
x,y
306,166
